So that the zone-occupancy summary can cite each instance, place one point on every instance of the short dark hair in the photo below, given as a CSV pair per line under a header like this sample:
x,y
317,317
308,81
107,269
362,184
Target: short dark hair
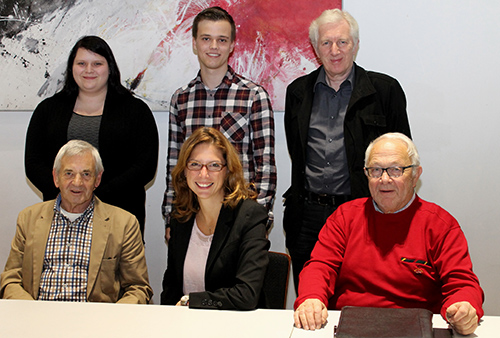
x,y
96,45
214,14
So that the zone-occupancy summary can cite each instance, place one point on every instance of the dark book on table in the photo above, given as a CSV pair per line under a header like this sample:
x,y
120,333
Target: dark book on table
x,y
370,322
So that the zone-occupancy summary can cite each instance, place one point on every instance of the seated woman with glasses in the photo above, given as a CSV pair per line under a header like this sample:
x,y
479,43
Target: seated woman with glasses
x,y
217,253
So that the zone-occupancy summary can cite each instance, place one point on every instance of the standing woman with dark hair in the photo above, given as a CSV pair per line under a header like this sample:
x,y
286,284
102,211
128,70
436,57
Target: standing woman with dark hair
x,y
217,253
95,107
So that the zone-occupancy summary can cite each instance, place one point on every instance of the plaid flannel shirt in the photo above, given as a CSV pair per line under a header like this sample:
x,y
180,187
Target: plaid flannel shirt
x,y
242,111
67,257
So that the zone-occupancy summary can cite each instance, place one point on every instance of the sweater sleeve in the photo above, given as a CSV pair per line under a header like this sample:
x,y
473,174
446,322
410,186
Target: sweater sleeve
x,y
459,283
44,137
132,118
319,275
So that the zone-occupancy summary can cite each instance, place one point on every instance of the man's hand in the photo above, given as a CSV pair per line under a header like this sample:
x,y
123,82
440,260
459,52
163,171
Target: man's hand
x,y
462,317
310,315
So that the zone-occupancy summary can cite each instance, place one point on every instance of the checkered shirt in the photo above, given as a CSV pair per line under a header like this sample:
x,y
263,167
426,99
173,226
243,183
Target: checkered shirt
x,y
67,257
242,111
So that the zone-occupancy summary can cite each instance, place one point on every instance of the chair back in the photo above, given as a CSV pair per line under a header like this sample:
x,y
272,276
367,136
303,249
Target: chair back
x,y
275,286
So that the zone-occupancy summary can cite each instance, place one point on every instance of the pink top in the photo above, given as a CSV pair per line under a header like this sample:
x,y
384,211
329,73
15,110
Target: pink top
x,y
196,261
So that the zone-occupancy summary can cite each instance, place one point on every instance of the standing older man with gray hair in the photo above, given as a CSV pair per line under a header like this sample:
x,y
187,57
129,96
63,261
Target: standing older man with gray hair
x,y
331,115
392,250
77,248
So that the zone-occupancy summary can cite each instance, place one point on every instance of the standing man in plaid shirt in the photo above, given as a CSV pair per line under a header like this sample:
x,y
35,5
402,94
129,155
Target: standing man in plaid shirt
x,y
222,99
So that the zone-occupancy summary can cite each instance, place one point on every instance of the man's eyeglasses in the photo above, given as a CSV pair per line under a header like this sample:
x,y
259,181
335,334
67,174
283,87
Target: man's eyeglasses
x,y
212,166
393,172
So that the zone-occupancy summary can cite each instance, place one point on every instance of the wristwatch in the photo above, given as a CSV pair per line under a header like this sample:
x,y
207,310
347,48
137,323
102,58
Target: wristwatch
x,y
185,300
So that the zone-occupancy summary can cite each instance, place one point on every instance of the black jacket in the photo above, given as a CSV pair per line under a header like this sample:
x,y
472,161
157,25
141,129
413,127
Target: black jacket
x,y
236,264
377,106
128,145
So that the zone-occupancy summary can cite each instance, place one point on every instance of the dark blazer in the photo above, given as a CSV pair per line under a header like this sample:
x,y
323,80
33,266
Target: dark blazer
x,y
236,264
377,106
128,145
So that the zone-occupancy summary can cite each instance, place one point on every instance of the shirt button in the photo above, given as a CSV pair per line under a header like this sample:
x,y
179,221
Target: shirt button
x,y
330,140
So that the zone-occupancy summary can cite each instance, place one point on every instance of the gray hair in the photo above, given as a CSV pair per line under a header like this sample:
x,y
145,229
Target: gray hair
x,y
333,16
410,146
78,147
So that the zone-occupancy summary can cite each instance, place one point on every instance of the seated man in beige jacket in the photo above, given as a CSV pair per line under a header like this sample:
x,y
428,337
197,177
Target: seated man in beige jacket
x,y
77,248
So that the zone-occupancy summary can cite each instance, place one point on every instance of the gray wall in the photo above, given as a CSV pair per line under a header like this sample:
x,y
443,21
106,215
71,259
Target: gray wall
x,y
444,53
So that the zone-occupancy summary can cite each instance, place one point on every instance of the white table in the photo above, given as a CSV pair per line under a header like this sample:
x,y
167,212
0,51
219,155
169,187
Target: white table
x,y
56,319
94,320
488,328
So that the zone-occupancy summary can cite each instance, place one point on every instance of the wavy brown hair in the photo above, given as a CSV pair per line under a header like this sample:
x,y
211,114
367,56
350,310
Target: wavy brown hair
x,y
235,187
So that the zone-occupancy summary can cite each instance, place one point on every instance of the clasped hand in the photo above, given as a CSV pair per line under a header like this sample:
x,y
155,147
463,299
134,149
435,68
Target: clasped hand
x,y
462,317
311,314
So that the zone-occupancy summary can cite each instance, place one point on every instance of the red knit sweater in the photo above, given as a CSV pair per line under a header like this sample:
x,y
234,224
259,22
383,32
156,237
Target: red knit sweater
x,y
415,258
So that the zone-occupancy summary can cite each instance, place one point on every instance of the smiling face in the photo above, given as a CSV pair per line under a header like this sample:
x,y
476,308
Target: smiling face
x,y
76,180
336,49
213,44
207,185
392,194
90,71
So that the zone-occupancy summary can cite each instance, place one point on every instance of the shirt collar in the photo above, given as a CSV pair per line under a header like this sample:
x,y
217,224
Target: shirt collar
x,y
90,207
403,208
322,78
226,80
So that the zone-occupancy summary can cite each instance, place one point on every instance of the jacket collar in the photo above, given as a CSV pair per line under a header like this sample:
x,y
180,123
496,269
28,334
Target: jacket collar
x,y
100,232
363,86
221,234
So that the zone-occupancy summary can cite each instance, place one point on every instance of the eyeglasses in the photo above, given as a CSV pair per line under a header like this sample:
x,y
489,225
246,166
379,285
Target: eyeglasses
x,y
70,175
393,172
212,166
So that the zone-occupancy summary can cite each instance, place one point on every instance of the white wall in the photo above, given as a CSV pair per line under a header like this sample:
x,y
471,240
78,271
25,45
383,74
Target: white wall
x,y
445,55
443,52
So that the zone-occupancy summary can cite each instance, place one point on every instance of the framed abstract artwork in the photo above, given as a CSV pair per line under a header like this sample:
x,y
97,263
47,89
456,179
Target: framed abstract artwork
x,y
151,40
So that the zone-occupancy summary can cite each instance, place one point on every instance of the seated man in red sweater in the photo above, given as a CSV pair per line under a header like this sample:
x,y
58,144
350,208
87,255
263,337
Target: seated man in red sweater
x,y
391,250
